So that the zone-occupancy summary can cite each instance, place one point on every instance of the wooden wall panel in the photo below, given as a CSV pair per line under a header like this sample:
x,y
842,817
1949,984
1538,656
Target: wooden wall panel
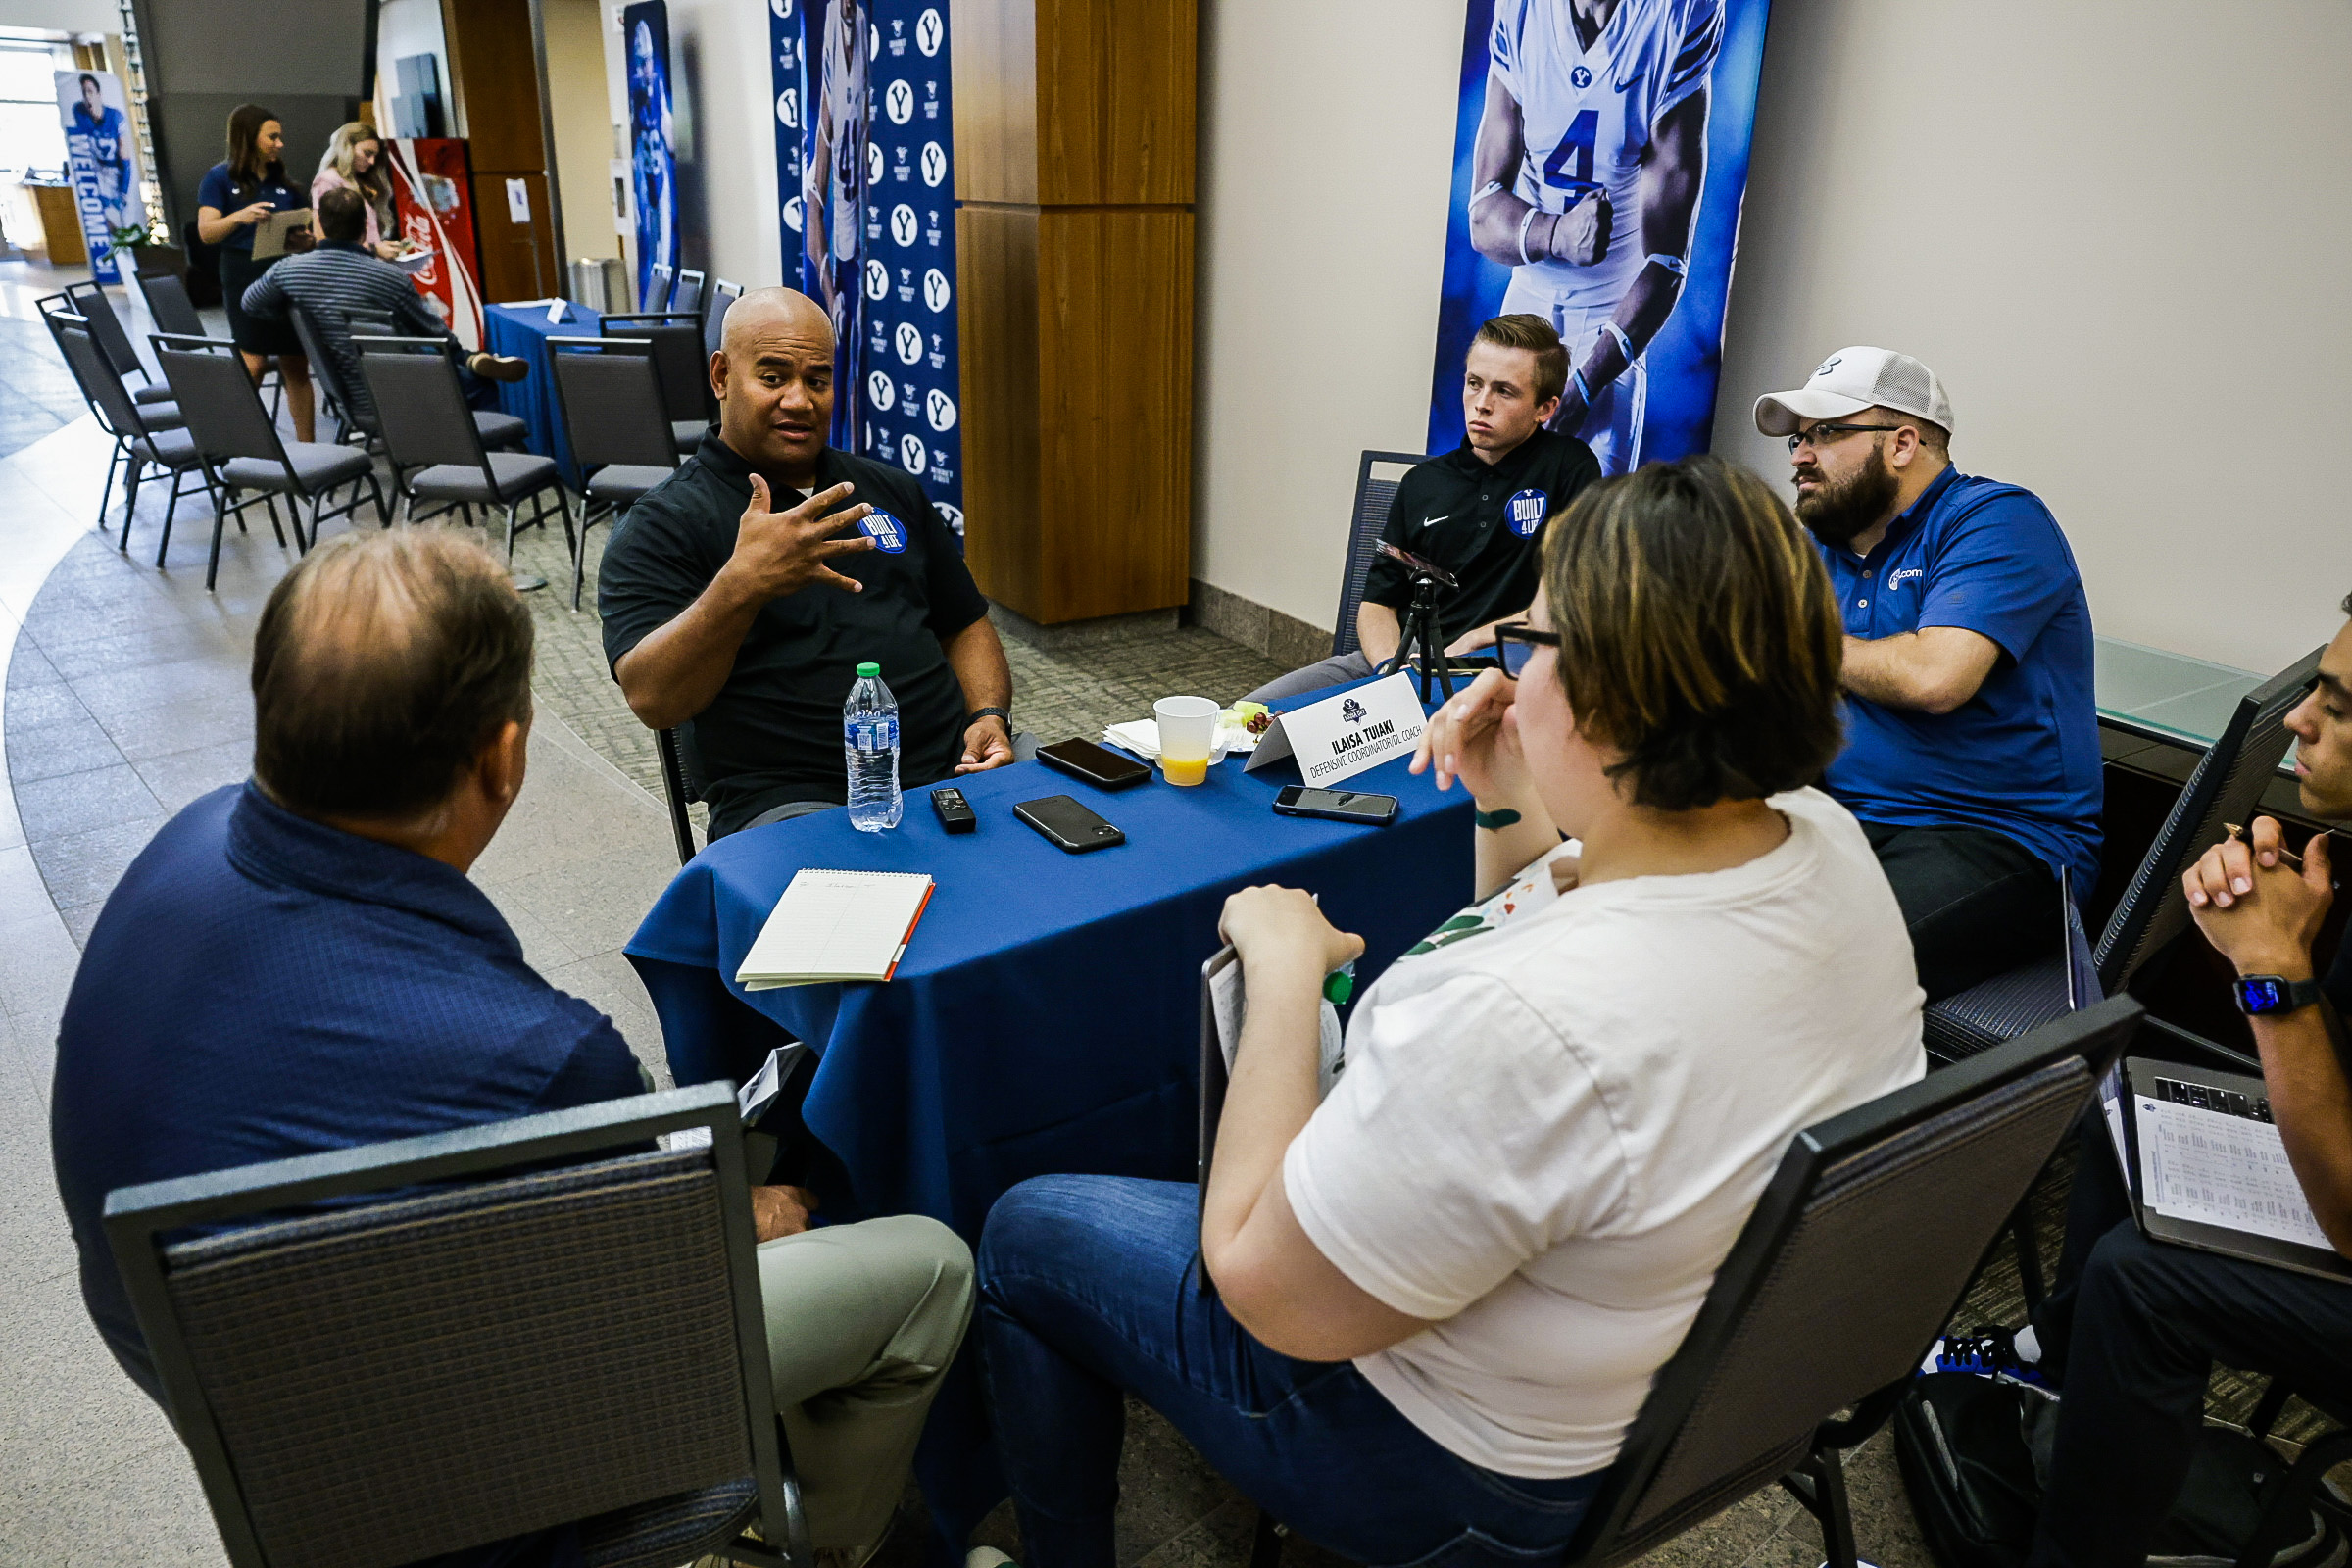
x,y
1115,100
995,270
1114,411
1075,127
995,61
507,272
494,70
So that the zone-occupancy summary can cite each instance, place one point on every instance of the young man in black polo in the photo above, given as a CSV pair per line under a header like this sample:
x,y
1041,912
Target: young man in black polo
x,y
744,591
1478,512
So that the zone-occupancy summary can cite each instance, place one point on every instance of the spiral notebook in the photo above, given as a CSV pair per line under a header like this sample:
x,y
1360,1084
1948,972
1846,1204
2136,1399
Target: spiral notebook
x,y
836,925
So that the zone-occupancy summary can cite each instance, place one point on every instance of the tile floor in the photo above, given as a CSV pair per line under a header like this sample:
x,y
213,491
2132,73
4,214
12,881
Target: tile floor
x,y
124,698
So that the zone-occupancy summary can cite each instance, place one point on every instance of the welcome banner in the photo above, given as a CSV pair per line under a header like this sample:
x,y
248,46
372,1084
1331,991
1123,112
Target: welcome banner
x,y
1599,169
865,170
98,159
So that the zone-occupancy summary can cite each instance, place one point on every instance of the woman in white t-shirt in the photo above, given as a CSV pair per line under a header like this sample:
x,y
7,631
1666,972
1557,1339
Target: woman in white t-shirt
x,y
1439,1296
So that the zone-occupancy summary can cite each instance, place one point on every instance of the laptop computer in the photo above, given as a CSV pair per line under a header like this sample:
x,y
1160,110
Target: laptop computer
x,y
2207,1169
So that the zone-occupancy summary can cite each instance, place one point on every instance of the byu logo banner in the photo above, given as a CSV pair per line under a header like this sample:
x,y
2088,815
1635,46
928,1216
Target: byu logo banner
x,y
865,166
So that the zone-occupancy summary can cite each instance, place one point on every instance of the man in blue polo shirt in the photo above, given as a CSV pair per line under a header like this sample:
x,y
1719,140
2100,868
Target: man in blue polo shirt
x,y
1972,757
300,963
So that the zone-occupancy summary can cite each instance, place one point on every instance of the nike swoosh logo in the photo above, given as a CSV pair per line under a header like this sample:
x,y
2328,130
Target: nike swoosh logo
x,y
1626,84
1431,522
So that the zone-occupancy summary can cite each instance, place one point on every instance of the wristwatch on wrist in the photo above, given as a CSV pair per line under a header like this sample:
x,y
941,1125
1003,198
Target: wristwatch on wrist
x,y
2272,995
979,714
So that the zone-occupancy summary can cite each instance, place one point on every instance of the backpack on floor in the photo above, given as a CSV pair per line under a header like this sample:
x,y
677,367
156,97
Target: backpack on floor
x,y
1972,1450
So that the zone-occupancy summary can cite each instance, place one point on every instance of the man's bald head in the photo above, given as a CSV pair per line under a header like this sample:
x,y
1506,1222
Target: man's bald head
x,y
763,313
773,374
383,663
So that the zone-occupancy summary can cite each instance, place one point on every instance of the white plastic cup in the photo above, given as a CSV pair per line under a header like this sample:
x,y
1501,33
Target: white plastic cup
x,y
1188,733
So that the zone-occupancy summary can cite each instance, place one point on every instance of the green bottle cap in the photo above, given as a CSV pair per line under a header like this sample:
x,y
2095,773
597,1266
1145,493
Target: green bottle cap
x,y
1338,986
868,670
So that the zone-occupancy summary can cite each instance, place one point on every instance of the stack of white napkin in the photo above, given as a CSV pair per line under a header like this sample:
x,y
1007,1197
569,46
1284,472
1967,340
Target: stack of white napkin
x,y
1140,737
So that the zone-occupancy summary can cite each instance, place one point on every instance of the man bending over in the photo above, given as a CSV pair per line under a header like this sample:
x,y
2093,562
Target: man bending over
x,y
342,287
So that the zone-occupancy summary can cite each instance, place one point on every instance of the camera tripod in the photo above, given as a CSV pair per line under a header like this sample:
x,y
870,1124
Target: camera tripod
x,y
1421,638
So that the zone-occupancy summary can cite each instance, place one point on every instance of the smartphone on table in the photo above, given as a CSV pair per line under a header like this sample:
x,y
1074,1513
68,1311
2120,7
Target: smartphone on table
x,y
1067,824
1096,765
1335,805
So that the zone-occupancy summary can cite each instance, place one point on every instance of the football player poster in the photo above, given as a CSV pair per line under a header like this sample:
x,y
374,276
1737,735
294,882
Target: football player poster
x,y
865,170
98,152
653,166
1600,155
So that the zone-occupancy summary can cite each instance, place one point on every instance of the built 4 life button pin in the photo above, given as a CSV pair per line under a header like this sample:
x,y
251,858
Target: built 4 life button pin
x,y
1525,509
886,531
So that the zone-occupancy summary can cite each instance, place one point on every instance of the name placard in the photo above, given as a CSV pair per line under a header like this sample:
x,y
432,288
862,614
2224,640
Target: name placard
x,y
1341,736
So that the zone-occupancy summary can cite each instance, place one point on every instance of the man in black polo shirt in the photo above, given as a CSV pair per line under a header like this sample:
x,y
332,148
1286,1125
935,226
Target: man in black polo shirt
x,y
743,592
1478,512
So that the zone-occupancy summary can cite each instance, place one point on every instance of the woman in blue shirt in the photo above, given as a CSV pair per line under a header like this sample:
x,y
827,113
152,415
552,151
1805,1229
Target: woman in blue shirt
x,y
236,195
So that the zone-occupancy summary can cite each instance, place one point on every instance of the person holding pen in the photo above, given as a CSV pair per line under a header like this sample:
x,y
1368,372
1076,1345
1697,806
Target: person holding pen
x,y
237,193
2134,1342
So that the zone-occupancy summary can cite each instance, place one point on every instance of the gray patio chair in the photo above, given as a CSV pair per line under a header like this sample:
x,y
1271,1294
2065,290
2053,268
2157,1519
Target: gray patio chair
x,y
137,444
495,1331
242,450
1863,1244
436,449
611,400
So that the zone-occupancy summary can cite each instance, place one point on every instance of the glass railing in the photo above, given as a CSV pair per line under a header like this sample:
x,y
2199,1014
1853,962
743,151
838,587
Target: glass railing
x,y
2164,696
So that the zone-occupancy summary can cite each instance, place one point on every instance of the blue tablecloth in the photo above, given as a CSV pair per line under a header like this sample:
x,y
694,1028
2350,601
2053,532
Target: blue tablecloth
x,y
524,331
1046,1017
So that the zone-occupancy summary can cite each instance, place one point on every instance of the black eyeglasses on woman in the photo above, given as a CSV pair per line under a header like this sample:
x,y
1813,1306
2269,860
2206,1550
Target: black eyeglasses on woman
x,y
1516,643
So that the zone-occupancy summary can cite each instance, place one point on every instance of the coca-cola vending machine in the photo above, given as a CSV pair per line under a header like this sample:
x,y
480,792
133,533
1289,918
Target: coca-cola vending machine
x,y
432,186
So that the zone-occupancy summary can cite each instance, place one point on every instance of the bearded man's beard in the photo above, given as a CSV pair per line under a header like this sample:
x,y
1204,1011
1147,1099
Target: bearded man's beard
x,y
1839,510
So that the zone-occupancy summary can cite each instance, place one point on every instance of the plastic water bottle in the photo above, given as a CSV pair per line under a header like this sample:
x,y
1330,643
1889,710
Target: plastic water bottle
x,y
870,740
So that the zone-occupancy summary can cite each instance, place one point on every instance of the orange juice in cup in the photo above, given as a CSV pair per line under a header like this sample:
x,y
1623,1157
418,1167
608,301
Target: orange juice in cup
x,y
1188,731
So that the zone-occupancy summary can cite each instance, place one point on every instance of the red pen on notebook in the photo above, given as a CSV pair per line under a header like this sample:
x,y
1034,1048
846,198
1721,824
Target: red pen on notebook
x,y
906,940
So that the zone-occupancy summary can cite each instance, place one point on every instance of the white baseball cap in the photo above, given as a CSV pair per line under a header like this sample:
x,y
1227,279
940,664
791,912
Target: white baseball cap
x,y
1851,380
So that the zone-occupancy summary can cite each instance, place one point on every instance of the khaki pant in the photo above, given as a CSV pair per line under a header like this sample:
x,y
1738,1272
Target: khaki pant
x,y
861,1323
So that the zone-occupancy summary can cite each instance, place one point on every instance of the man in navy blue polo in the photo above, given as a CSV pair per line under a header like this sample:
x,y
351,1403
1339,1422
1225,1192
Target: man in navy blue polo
x,y
1971,754
298,963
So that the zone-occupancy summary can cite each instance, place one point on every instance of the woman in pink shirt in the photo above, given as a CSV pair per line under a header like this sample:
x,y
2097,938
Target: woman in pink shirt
x,y
355,159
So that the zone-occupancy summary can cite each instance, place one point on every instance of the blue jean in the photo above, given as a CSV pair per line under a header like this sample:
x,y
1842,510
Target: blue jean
x,y
1091,1289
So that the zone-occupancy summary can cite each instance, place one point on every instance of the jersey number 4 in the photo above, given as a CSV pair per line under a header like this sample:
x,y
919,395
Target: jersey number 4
x,y
1570,165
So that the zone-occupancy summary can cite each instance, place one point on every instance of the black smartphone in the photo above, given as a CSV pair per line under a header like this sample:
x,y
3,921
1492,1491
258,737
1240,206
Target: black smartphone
x,y
1096,765
1414,563
1335,805
1068,824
